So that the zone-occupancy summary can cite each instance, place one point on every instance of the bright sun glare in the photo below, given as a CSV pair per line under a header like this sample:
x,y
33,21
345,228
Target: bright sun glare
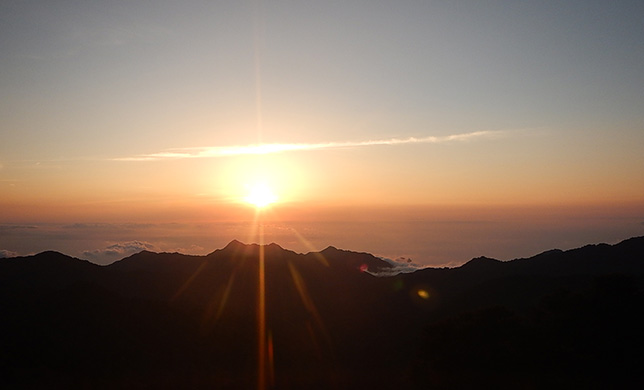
x,y
260,195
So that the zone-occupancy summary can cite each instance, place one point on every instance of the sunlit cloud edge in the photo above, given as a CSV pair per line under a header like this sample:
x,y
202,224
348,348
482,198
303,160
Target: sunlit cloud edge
x,y
272,148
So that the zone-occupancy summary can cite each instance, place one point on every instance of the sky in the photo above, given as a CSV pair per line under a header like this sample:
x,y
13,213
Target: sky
x,y
437,130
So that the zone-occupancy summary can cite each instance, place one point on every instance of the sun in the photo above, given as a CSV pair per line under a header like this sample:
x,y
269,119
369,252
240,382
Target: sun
x,y
260,195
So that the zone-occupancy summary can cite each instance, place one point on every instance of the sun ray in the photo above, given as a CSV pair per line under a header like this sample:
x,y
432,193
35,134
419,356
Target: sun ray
x,y
189,281
261,315
317,255
307,301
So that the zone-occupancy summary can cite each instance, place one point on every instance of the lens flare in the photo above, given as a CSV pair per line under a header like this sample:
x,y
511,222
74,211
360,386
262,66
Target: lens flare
x,y
423,293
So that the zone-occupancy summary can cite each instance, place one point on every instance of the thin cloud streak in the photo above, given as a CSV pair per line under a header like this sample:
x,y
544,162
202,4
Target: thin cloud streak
x,y
225,151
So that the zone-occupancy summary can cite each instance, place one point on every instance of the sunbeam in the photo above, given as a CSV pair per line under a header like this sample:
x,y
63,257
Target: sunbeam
x,y
189,281
261,314
216,307
308,303
318,256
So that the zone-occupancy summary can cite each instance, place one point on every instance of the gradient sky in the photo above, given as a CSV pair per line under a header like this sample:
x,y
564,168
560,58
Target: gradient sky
x,y
155,111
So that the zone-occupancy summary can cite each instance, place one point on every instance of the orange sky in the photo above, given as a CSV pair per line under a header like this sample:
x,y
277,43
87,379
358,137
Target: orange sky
x,y
111,114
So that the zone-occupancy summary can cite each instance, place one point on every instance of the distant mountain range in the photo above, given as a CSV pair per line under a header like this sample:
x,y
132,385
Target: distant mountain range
x,y
560,319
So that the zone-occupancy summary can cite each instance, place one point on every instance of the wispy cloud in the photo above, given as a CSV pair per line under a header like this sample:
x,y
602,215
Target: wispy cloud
x,y
401,265
4,253
223,151
119,250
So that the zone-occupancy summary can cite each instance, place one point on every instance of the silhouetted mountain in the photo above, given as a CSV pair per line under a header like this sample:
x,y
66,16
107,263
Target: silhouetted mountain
x,y
167,320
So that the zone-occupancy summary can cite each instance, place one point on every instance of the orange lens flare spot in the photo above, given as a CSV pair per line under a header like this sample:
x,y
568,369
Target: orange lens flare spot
x,y
423,293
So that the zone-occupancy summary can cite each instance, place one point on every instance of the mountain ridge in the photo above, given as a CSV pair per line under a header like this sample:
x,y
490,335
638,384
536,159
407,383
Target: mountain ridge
x,y
238,247
167,319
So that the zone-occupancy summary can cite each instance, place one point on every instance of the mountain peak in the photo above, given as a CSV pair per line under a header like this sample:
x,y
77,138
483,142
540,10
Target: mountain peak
x,y
479,262
356,260
235,244
273,245
330,249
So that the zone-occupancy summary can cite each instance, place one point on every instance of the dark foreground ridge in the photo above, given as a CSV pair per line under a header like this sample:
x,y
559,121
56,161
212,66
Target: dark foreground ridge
x,y
561,319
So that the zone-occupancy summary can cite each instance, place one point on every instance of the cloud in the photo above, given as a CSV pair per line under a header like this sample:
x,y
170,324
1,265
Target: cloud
x,y
119,250
223,151
191,250
17,227
6,253
401,265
